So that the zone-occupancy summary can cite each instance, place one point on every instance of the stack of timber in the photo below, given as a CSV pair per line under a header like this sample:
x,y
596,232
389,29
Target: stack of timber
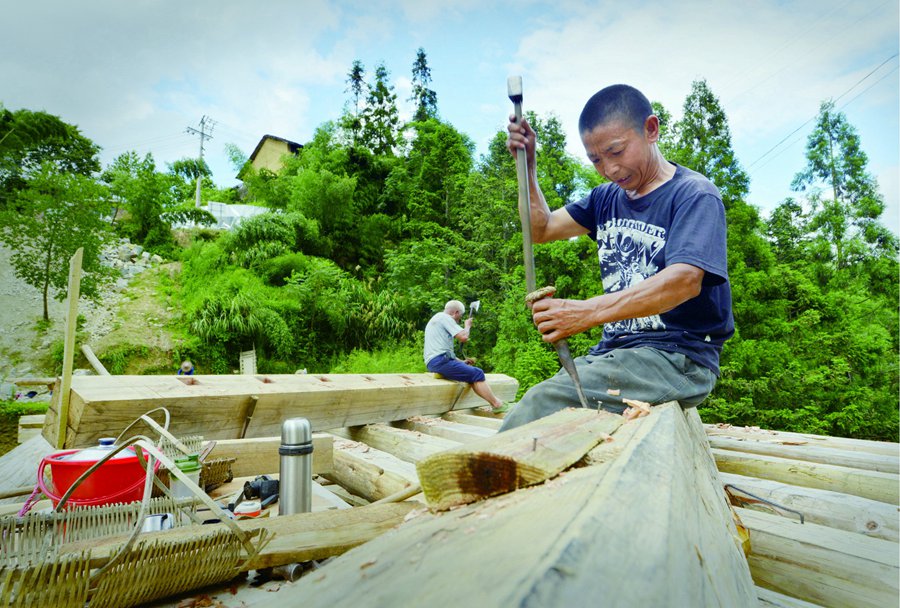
x,y
642,517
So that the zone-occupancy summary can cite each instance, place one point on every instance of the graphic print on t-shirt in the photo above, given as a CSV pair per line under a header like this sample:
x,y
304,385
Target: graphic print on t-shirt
x,y
627,250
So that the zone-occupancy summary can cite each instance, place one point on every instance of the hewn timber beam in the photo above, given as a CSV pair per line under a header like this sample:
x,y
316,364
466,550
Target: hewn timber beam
x,y
884,448
810,453
884,487
470,419
454,431
297,538
410,446
259,456
216,406
650,528
832,509
369,473
820,564
515,459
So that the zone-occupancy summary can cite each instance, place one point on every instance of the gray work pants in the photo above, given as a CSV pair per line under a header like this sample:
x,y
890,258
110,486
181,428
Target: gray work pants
x,y
644,374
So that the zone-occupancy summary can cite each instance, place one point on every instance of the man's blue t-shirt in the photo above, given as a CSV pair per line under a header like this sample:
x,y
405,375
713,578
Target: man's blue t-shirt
x,y
682,221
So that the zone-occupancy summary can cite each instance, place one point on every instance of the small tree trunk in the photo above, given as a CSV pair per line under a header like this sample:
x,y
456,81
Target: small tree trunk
x,y
46,284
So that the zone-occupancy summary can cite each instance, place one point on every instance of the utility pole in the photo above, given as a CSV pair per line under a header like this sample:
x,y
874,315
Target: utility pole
x,y
205,132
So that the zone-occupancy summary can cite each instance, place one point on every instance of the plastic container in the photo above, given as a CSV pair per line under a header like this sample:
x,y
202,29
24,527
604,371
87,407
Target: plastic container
x,y
119,479
190,466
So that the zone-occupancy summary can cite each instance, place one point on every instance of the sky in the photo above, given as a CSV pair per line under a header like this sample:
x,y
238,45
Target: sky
x,y
135,75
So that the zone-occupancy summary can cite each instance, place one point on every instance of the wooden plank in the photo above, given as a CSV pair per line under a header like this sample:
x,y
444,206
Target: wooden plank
x,y
648,529
259,456
29,426
810,453
820,564
515,459
43,381
369,473
461,433
410,446
884,487
832,509
216,406
482,421
772,599
73,293
884,448
297,538
19,466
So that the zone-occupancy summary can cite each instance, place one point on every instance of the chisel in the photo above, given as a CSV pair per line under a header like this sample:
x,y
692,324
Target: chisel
x,y
514,90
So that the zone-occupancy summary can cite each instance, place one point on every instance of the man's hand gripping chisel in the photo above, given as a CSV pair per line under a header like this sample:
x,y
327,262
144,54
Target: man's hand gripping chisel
x,y
514,89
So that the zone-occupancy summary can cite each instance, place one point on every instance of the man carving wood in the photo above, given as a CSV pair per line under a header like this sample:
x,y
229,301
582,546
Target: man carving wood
x,y
660,234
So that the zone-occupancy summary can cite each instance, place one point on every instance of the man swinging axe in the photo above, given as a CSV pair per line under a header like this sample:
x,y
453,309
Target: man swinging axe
x,y
440,357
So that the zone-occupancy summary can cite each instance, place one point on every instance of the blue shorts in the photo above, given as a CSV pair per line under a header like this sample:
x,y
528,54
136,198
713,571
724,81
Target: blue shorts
x,y
454,369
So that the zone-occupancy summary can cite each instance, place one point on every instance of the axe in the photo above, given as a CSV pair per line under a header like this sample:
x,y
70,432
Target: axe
x,y
514,90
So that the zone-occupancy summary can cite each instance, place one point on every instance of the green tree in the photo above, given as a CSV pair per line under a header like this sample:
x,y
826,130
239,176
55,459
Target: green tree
x,y
351,121
848,221
380,117
145,194
424,97
702,142
29,139
51,217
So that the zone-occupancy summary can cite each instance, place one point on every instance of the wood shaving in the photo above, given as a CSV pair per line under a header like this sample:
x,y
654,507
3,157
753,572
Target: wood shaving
x,y
636,409
613,391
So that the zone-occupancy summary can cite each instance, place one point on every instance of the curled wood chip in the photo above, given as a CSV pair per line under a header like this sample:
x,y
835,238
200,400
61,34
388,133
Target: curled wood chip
x,y
636,409
613,391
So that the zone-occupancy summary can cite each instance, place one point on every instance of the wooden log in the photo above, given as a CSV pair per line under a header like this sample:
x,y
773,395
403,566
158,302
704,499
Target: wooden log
x,y
470,419
884,487
515,459
810,453
297,538
259,456
832,509
648,529
884,448
410,446
772,599
820,564
369,473
216,406
461,433
93,360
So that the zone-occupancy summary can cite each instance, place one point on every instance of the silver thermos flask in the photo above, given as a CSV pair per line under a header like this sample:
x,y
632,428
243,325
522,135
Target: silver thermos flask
x,y
295,487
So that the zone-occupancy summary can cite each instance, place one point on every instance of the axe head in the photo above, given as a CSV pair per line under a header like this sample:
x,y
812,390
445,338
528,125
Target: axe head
x,y
473,307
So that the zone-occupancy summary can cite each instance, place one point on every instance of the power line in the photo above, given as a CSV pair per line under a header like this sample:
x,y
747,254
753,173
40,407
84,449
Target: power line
x,y
788,136
860,94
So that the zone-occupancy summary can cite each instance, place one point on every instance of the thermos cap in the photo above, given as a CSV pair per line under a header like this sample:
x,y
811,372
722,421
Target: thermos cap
x,y
295,431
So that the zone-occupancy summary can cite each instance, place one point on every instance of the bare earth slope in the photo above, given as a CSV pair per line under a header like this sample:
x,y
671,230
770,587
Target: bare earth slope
x,y
130,311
